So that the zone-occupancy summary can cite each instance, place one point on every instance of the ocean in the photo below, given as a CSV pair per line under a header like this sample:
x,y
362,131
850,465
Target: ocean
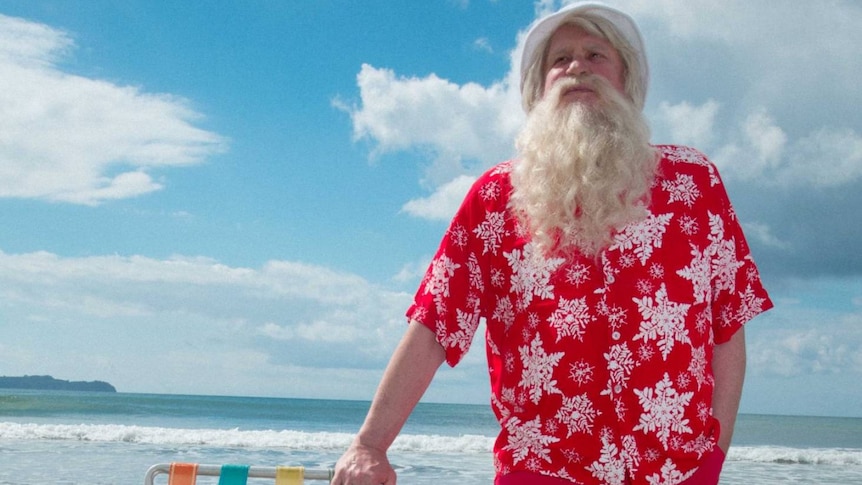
x,y
51,437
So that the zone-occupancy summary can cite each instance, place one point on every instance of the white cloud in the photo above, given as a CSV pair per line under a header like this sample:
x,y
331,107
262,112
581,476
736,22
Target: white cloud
x,y
689,124
763,234
464,128
814,331
316,331
757,55
133,312
411,273
765,138
784,75
401,113
443,203
763,152
483,44
72,139
827,158
834,350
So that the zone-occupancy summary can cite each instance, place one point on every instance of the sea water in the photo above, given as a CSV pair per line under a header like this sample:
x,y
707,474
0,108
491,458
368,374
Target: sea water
x,y
105,438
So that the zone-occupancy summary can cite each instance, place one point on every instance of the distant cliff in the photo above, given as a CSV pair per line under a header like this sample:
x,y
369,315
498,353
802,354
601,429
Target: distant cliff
x,y
51,384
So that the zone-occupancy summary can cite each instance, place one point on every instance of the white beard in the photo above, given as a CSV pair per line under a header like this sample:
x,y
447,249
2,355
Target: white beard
x,y
584,170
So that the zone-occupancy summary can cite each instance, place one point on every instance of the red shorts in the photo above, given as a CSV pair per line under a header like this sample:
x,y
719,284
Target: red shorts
x,y
706,474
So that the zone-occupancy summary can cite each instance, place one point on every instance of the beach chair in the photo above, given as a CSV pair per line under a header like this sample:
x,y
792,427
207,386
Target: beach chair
x,y
187,473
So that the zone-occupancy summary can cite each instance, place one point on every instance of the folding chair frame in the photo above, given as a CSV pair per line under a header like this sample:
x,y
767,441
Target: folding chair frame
x,y
253,472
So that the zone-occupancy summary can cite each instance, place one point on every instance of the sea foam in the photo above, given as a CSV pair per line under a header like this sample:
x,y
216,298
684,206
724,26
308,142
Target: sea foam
x,y
329,441
236,438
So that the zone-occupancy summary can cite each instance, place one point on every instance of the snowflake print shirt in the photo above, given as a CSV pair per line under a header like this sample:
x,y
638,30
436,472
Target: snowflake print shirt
x,y
600,369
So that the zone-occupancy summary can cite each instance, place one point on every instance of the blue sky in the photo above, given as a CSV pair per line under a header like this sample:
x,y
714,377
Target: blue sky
x,y
240,198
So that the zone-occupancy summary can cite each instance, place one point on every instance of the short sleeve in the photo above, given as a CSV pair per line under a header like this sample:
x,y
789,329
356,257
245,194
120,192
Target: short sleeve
x,y
451,296
738,292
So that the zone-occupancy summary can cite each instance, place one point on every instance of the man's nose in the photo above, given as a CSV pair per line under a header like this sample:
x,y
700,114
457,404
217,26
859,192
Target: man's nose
x,y
577,66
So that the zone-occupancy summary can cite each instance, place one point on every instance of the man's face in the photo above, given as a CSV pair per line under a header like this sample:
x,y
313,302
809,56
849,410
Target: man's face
x,y
573,52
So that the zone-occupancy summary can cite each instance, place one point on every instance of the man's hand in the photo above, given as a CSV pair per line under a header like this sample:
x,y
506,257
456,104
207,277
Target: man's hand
x,y
362,465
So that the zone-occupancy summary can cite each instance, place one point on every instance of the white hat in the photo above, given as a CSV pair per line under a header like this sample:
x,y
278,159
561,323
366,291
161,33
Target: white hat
x,y
624,24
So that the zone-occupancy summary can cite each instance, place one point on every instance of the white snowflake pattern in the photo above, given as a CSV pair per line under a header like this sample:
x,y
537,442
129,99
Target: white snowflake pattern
x,y
684,154
644,287
645,353
500,406
533,321
627,260
664,410
669,475
458,235
577,274
701,445
609,272
562,473
697,367
630,453
651,455
572,456
501,168
621,410
419,314
475,269
538,369
663,321
620,365
656,271
531,274
643,237
493,349
510,362
683,189
527,438
491,231
697,272
552,426
581,372
704,412
750,305
490,191
723,254
578,414
610,468
616,316
442,269
474,300
570,319
688,225
498,278
467,324
504,312
704,322
683,380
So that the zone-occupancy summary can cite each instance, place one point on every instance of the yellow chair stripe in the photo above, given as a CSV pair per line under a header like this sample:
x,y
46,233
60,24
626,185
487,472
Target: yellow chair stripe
x,y
289,475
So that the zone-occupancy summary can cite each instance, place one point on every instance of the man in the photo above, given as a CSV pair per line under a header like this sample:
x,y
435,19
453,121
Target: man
x,y
613,277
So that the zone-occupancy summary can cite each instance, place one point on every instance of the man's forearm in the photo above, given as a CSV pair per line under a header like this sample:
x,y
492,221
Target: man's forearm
x,y
408,375
728,367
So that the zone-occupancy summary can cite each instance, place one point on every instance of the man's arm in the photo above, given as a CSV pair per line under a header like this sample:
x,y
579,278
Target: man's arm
x,y
406,378
728,368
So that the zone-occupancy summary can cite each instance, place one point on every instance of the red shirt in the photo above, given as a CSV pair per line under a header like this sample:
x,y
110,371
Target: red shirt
x,y
599,371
